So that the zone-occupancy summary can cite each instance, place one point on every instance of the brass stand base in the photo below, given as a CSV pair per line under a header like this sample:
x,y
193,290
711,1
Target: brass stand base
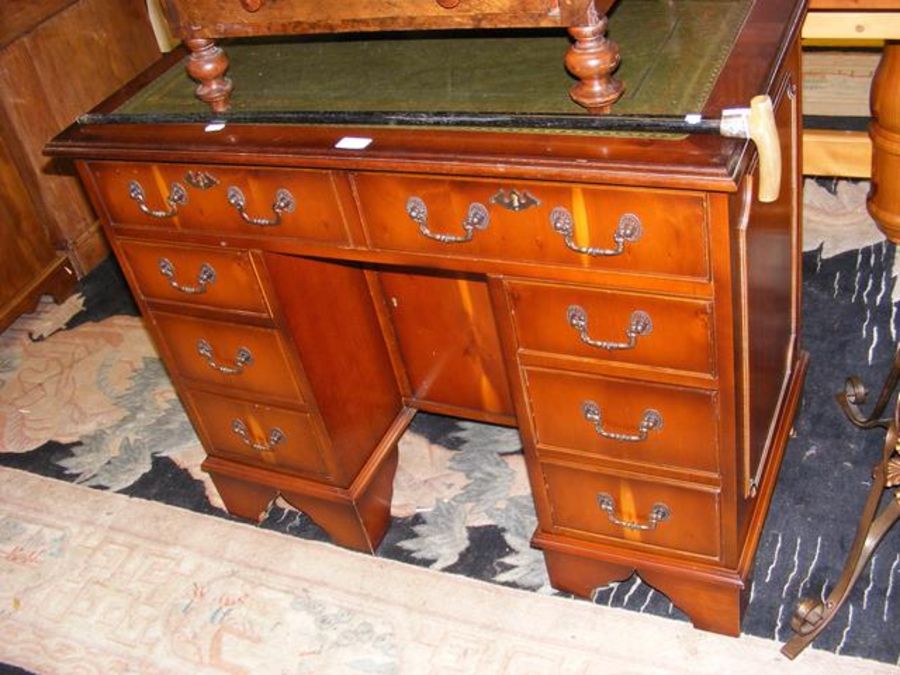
x,y
812,616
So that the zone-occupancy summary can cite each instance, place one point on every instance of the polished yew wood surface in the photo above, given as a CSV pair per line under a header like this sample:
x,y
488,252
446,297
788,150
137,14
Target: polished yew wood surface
x,y
692,525
411,310
267,371
310,208
297,450
220,18
679,337
448,344
234,286
671,239
686,438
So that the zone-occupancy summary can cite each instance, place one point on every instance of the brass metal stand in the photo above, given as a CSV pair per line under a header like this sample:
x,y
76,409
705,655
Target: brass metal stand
x,y
811,615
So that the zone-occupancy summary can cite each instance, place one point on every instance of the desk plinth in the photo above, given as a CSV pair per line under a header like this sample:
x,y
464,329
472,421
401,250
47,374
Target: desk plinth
x,y
625,301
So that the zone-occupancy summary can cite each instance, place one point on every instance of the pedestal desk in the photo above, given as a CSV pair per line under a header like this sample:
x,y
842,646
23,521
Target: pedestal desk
x,y
312,279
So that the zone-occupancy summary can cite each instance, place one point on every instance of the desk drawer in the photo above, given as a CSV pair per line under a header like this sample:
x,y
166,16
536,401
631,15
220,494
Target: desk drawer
x,y
257,434
251,359
642,329
281,17
195,275
649,424
293,203
640,231
674,516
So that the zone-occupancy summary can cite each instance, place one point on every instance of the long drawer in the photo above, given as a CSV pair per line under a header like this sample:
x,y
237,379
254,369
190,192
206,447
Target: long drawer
x,y
196,275
250,359
640,231
641,329
258,434
674,516
644,423
294,203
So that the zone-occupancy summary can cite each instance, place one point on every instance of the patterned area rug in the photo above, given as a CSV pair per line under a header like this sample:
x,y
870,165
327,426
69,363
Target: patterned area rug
x,y
95,582
92,405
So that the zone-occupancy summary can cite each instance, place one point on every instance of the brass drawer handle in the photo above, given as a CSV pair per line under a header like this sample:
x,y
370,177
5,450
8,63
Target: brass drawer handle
x,y
251,5
284,203
476,219
242,358
177,197
205,277
658,513
650,420
640,324
628,230
275,437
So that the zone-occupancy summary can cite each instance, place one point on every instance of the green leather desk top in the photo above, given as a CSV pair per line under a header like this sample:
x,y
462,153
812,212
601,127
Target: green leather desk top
x,y
672,53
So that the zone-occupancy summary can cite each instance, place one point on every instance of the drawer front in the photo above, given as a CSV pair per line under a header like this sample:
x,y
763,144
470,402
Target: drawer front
x,y
640,231
650,424
673,516
291,203
279,17
250,359
257,434
633,328
195,275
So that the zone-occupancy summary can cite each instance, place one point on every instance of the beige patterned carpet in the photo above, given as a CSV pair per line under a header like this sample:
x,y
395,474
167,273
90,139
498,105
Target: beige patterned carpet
x,y
96,582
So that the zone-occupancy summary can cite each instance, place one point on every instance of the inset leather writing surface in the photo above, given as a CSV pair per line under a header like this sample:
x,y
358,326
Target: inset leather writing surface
x,y
672,55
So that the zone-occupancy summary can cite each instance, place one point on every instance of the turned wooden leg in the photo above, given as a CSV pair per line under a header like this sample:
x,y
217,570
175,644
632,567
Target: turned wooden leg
x,y
884,197
243,499
582,576
716,607
207,64
357,522
592,59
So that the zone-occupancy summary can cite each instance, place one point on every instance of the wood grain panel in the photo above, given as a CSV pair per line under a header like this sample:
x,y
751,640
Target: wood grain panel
x,y
692,525
298,449
266,373
235,286
686,439
672,241
315,215
679,337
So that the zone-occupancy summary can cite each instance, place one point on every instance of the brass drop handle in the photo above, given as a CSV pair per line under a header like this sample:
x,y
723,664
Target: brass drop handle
x,y
205,277
275,437
629,230
284,203
659,512
640,324
650,420
177,197
242,358
476,219
252,5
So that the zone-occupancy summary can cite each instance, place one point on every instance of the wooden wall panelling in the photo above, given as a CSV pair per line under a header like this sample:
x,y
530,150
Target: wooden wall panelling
x,y
51,73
